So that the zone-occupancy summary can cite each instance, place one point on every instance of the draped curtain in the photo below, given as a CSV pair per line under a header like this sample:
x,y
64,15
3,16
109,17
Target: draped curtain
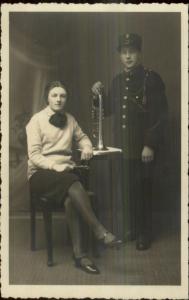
x,y
29,72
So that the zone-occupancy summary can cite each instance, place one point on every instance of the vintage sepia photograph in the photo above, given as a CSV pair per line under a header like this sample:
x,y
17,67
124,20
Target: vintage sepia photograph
x,y
94,151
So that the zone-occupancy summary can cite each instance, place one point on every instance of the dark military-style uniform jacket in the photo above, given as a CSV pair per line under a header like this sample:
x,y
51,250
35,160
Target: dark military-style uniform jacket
x,y
138,102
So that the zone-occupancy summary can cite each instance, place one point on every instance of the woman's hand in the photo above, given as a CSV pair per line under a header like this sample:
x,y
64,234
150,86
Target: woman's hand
x,y
87,153
64,167
97,88
147,154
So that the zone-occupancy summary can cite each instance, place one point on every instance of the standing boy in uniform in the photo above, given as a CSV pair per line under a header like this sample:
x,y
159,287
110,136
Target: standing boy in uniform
x,y
138,101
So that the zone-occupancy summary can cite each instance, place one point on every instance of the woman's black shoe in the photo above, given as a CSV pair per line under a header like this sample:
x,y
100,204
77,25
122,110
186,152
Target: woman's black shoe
x,y
86,265
112,243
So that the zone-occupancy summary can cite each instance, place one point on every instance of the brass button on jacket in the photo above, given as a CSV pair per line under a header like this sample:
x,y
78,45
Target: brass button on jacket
x,y
145,119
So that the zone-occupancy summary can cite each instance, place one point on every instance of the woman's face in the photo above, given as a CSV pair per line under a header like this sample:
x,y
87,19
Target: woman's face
x,y
57,98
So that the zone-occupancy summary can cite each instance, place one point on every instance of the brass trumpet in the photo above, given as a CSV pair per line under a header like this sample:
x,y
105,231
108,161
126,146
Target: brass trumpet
x,y
97,116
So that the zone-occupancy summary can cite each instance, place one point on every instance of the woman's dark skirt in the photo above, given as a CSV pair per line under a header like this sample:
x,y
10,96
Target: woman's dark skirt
x,y
52,185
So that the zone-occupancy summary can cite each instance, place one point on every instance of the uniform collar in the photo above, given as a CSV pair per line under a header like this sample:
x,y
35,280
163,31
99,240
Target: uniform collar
x,y
138,70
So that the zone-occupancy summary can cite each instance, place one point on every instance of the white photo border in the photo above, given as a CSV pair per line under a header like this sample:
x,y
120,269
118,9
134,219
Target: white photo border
x,y
70,291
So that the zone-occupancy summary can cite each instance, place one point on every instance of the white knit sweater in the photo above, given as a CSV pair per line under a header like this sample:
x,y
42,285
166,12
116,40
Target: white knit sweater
x,y
48,144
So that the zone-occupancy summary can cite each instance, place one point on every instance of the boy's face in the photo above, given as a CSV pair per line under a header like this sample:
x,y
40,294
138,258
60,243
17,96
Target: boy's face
x,y
130,57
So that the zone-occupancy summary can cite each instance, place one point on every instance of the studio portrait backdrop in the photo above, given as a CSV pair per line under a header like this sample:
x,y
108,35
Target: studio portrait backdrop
x,y
80,49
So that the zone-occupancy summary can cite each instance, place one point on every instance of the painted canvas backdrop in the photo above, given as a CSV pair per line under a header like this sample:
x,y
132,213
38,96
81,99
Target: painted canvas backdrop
x,y
79,49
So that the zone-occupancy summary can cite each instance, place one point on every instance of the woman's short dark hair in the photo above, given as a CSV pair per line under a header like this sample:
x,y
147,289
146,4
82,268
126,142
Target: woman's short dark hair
x,y
50,86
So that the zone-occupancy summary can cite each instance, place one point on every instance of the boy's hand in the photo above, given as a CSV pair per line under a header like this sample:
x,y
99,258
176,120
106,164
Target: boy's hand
x,y
147,154
97,88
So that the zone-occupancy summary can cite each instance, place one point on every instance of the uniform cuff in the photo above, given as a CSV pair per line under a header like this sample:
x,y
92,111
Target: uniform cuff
x,y
150,140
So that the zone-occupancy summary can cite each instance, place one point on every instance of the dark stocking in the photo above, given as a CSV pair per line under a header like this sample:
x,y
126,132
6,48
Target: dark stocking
x,y
81,201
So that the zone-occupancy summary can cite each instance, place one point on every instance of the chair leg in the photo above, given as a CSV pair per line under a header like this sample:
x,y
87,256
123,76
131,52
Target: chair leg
x,y
95,247
32,227
47,215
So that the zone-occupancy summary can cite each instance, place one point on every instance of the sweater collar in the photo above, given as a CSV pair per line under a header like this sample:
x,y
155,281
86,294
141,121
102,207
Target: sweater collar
x,y
49,111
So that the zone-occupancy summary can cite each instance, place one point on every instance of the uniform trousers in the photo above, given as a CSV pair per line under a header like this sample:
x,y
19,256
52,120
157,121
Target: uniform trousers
x,y
137,197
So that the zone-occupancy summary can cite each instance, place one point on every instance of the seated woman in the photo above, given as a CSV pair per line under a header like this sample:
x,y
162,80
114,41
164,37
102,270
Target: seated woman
x,y
50,134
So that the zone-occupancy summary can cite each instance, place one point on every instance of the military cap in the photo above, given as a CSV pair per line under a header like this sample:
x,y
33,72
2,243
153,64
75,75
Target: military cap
x,y
130,40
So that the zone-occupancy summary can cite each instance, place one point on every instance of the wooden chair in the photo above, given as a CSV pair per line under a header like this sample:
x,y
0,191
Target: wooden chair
x,y
40,203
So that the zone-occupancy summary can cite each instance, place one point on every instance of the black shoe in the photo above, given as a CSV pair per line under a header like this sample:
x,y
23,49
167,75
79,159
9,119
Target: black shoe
x,y
143,243
86,265
114,243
